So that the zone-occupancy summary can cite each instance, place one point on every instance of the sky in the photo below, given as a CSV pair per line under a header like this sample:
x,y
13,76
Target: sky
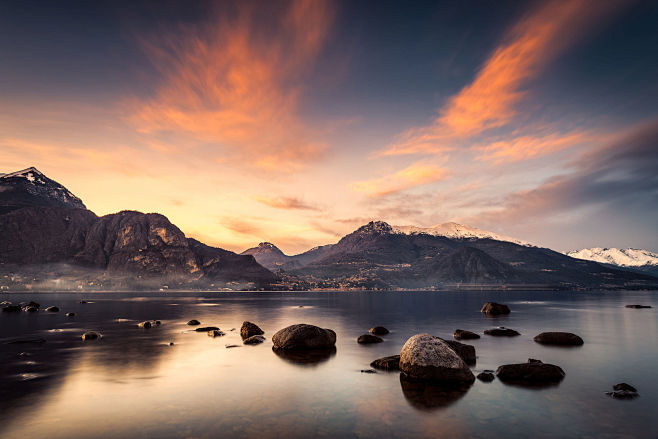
x,y
296,122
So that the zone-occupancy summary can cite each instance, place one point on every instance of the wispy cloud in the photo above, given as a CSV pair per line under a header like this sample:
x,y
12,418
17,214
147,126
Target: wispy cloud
x,y
288,203
230,85
491,99
620,176
417,174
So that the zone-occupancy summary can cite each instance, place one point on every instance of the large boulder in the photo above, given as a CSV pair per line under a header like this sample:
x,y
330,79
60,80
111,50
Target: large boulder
x,y
494,309
368,339
462,334
531,373
426,357
303,336
559,339
249,329
387,363
465,351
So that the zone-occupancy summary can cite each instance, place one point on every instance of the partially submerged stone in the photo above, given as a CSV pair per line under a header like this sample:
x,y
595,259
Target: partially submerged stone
x,y
254,339
494,309
426,357
194,322
303,336
52,309
215,333
368,339
249,329
387,363
530,373
502,332
91,335
461,334
379,330
638,306
206,328
487,376
465,351
559,339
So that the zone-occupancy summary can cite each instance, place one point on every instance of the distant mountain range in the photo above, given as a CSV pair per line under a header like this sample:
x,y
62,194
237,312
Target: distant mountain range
x,y
47,234
49,240
635,259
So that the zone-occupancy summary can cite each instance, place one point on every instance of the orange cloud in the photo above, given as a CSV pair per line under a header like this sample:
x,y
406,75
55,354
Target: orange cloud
x,y
234,86
287,203
531,146
490,100
417,174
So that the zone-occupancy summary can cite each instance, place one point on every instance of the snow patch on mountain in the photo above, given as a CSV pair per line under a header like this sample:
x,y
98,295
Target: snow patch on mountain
x,y
625,257
454,230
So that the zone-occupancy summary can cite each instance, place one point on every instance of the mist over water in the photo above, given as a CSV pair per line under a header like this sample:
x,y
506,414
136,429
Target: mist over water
x,y
132,383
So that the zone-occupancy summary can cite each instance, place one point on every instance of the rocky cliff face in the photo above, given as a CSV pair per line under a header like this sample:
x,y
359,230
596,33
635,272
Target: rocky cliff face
x,y
43,223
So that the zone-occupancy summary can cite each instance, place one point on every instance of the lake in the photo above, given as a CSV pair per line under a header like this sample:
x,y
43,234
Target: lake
x,y
133,384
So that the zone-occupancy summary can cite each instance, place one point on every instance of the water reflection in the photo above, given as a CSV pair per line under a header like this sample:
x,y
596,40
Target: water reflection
x,y
427,396
308,357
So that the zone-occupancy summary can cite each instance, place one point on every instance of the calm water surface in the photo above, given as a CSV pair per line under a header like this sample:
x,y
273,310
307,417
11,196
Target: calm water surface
x,y
133,384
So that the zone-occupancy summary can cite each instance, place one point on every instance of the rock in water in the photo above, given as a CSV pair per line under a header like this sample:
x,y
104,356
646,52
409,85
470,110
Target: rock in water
x,y
426,357
11,308
249,329
530,373
461,334
303,336
207,329
379,330
465,351
559,339
487,376
387,363
215,333
145,325
254,339
52,309
501,332
624,386
494,309
638,306
368,339
91,335
70,314
193,322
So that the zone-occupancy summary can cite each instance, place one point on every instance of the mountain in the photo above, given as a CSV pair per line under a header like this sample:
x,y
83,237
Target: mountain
x,y
30,188
456,231
271,257
44,225
378,255
636,259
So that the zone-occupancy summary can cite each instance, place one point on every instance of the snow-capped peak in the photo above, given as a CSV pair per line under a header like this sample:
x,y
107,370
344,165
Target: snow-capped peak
x,y
457,231
625,257
32,174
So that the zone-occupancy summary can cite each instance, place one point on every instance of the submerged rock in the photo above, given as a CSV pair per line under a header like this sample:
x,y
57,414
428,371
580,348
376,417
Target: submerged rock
x,y
206,329
624,386
30,309
501,332
426,357
254,339
494,309
379,330
487,376
623,391
368,339
461,334
249,329
368,371
465,351
638,306
229,346
27,341
52,309
559,339
303,336
70,314
215,333
91,335
145,325
530,373
11,308
193,322
387,363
